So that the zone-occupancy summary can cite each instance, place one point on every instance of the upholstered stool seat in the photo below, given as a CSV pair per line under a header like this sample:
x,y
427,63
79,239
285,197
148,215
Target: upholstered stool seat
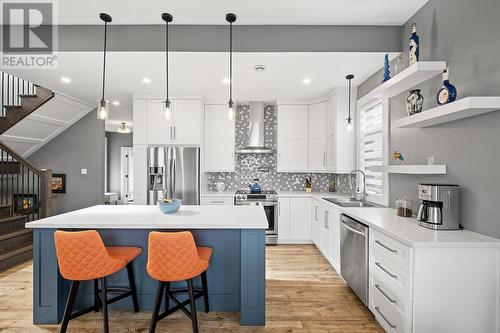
x,y
172,257
82,256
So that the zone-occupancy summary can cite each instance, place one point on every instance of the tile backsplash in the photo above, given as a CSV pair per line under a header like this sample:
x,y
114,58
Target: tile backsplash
x,y
264,166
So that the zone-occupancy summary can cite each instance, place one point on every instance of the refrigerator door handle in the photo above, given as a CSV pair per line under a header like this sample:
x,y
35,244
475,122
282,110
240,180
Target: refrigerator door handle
x,y
174,172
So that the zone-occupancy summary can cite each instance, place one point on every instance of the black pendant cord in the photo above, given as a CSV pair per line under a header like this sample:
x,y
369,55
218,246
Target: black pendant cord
x,y
166,56
230,62
349,78
104,67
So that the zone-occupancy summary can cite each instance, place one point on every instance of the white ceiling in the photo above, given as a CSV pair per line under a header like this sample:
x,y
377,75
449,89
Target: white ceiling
x,y
346,12
201,74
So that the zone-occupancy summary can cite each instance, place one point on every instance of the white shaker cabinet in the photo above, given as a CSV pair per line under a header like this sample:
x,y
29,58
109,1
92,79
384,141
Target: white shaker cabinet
x,y
317,137
219,140
151,127
292,138
294,220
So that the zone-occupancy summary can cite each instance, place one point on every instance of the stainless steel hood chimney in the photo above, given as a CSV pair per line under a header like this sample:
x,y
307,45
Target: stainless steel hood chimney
x,y
256,131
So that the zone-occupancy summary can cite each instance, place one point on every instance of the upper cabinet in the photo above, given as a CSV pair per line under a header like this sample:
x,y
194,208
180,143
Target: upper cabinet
x,y
317,137
292,138
219,140
313,136
152,128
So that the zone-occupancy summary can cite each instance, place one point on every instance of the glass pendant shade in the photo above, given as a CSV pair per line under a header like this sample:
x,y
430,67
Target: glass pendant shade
x,y
350,126
167,110
230,110
103,110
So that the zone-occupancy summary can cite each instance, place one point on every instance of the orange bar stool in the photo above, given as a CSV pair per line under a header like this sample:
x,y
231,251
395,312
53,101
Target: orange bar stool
x,y
82,256
173,256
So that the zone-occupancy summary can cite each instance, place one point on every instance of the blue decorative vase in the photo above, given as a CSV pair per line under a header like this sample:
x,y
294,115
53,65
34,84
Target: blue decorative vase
x,y
387,70
414,48
448,92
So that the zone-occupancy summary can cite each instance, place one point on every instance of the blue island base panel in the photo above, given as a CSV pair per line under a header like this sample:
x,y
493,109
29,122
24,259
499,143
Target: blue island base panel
x,y
236,276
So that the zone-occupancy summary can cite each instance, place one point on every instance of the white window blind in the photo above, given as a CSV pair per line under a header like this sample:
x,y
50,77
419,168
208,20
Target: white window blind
x,y
370,149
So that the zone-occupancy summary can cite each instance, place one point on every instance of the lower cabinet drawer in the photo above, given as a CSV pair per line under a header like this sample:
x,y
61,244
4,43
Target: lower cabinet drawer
x,y
223,201
390,318
397,281
379,290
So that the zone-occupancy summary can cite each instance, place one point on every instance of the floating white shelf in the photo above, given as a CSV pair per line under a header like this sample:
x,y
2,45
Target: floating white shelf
x,y
407,79
412,169
462,108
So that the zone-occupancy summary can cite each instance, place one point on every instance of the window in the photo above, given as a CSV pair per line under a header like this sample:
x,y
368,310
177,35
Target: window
x,y
370,148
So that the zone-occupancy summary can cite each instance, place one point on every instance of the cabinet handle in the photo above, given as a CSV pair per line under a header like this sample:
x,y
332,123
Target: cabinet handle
x,y
279,208
217,202
385,246
324,159
171,138
174,133
316,213
387,321
327,213
385,270
386,296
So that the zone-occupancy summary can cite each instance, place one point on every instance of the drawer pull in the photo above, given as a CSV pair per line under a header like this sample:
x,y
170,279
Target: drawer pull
x,y
382,315
385,246
385,270
383,293
217,201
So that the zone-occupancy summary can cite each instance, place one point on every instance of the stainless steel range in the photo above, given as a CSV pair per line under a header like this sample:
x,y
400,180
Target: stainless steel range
x,y
269,201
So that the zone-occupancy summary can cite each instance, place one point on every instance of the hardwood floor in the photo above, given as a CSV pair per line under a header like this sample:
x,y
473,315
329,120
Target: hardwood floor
x,y
304,294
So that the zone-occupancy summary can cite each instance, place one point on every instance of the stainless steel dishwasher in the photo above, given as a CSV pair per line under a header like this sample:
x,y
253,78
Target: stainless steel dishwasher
x,y
354,255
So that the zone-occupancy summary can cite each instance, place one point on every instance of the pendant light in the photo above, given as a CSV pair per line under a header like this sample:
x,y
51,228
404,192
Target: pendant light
x,y
350,125
123,128
167,112
231,18
103,107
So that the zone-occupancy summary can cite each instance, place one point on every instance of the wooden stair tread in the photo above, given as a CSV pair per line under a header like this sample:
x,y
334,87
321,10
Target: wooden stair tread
x,y
12,218
15,234
17,251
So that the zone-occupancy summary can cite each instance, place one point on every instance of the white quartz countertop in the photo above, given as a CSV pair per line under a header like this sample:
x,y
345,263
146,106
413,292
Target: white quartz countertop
x,y
406,230
150,217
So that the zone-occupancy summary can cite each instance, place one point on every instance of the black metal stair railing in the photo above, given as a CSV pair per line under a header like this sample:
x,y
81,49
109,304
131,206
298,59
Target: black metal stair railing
x,y
13,89
23,187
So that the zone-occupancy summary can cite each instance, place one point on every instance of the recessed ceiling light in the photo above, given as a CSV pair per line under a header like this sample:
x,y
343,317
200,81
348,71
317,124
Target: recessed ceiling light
x,y
146,80
259,68
306,80
65,79
226,80
116,103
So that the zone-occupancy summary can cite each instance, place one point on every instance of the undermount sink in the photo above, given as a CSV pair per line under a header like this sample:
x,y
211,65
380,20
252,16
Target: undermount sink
x,y
348,202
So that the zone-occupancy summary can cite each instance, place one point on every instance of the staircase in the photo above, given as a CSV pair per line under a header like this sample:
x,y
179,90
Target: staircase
x,y
19,99
25,193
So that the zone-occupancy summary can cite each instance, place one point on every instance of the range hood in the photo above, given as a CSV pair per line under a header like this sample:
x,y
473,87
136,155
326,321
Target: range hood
x,y
256,131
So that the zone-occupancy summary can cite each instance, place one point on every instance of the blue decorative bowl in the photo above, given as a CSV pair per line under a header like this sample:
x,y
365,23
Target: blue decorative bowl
x,y
170,207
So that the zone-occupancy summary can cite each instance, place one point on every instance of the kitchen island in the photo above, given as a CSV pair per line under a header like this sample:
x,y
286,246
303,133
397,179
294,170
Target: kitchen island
x,y
236,276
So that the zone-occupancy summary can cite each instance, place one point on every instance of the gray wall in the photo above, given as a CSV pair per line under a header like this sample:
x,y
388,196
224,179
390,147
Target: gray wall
x,y
115,142
465,34
80,146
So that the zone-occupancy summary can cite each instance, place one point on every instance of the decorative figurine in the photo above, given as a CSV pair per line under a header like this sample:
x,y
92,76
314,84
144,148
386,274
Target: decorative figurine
x,y
397,156
414,45
448,92
387,70
414,102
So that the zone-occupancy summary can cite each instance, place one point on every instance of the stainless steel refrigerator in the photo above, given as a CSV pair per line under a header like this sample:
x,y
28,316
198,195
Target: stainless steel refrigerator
x,y
174,172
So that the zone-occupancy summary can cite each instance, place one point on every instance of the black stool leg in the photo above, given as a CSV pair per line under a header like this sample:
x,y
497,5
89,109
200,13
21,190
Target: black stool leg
x,y
69,305
167,299
96,295
131,281
192,301
205,290
104,304
156,309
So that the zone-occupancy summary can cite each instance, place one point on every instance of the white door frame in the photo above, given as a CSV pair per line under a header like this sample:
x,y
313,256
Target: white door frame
x,y
124,173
